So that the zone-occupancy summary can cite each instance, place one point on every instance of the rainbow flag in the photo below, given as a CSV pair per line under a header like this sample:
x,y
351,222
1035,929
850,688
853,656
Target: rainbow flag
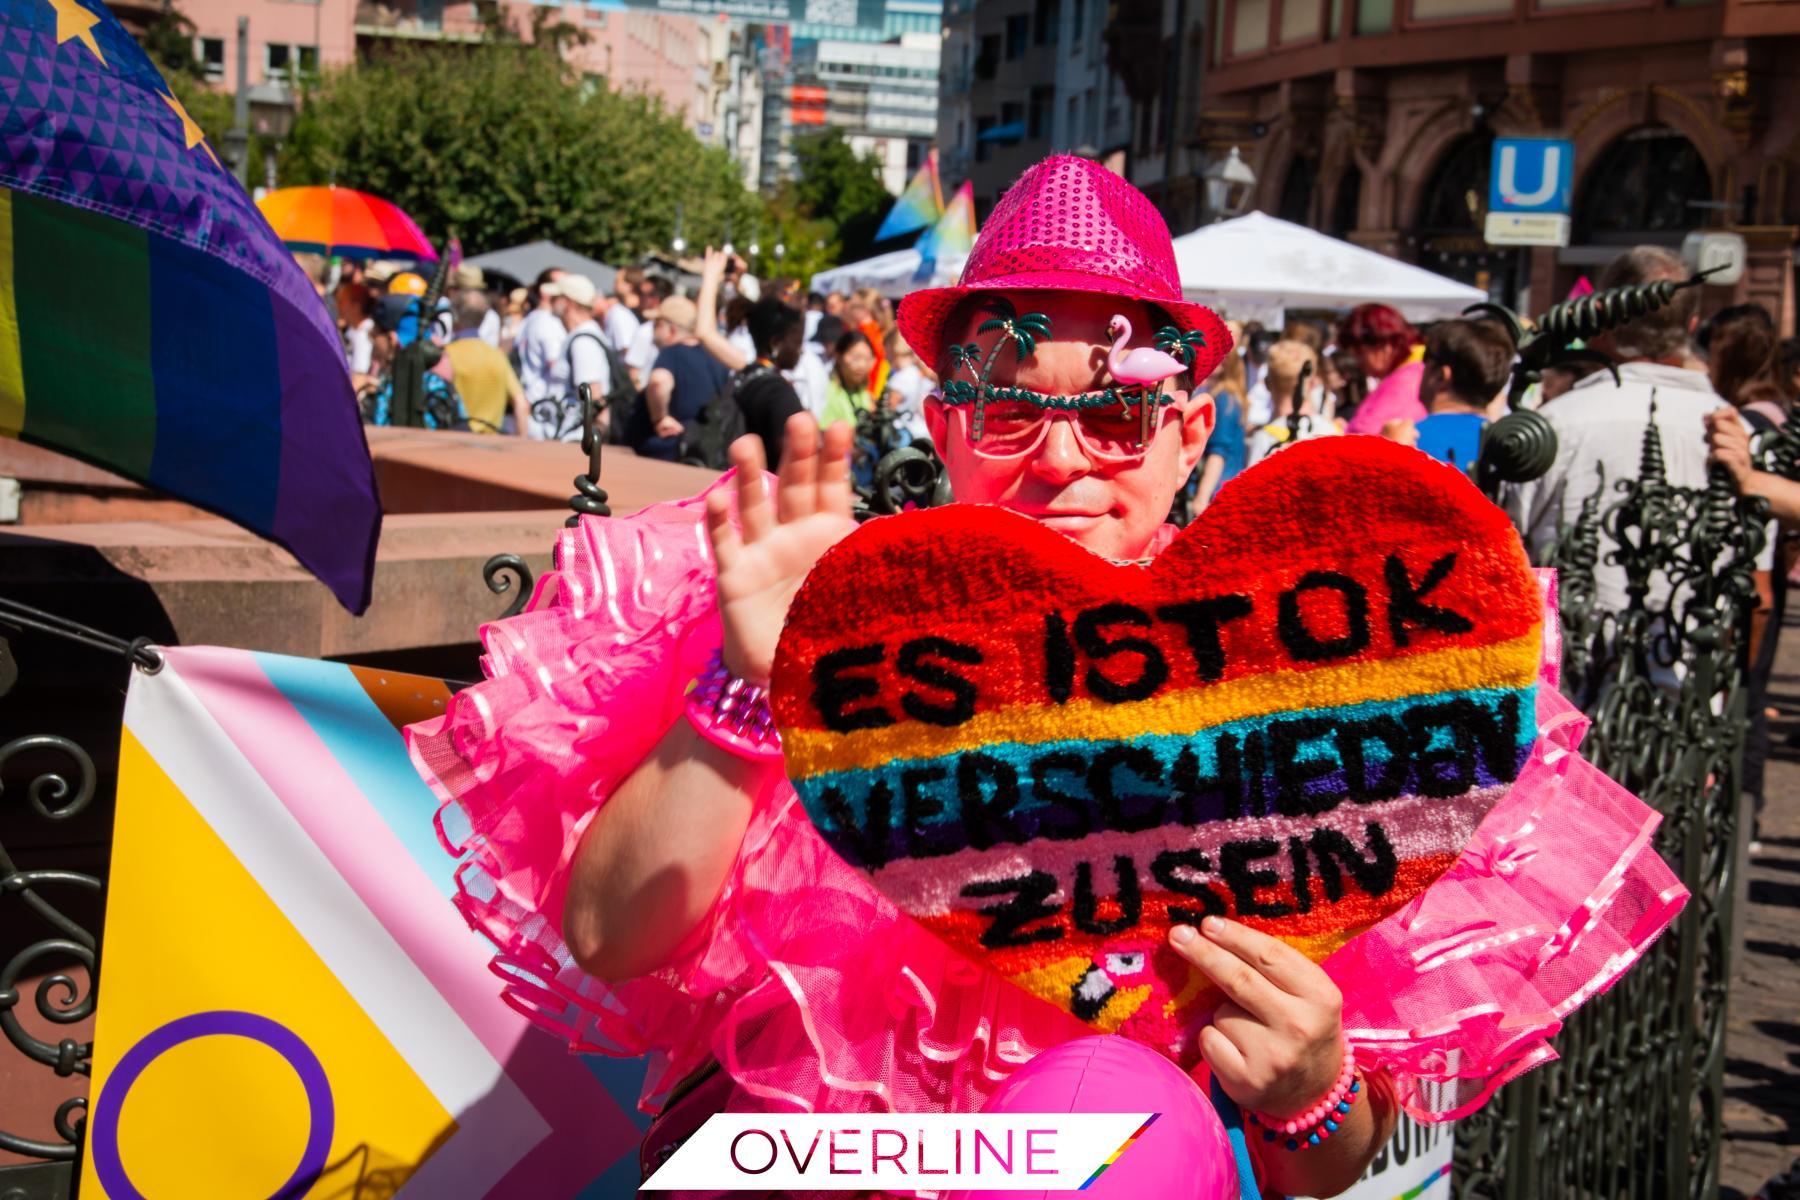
x,y
921,204
150,321
954,234
279,936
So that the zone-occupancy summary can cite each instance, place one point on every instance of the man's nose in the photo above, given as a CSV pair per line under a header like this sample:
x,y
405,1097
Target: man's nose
x,y
1061,457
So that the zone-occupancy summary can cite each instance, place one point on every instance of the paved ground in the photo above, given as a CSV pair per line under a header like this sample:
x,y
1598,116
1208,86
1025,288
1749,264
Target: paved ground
x,y
1762,1050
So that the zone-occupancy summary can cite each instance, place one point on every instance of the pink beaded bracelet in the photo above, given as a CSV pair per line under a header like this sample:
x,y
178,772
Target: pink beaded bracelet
x,y
733,713
1320,1121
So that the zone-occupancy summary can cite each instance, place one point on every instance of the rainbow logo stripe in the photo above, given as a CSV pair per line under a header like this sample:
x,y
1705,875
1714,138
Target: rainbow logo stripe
x,y
279,932
1114,1157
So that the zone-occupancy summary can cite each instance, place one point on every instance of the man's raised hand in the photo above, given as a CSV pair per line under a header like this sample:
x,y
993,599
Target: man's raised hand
x,y
764,557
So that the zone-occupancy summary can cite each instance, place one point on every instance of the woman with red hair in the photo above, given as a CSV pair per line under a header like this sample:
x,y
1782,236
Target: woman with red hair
x,y
1383,342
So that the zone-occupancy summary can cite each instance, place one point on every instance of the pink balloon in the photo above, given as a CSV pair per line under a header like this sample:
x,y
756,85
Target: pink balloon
x,y
1184,1155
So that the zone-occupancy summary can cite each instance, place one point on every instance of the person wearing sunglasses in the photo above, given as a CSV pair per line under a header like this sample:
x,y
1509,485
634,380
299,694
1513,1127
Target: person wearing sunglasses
x,y
644,863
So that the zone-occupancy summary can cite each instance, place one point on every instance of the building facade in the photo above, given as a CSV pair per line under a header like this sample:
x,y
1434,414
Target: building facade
x,y
1022,79
883,95
879,85
1374,120
700,68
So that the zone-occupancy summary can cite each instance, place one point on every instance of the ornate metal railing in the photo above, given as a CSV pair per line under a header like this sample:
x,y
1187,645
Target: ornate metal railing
x,y
59,783
1633,1107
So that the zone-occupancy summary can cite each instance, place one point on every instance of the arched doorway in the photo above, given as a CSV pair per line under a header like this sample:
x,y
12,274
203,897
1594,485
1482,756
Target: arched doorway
x,y
1649,185
1346,204
1297,191
1447,231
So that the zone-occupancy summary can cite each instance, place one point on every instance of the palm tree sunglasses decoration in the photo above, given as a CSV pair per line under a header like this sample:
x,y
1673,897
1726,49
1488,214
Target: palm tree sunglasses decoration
x,y
1137,376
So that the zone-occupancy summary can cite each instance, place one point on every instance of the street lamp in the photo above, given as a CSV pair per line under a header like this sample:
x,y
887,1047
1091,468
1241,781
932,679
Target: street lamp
x,y
1230,183
272,118
678,243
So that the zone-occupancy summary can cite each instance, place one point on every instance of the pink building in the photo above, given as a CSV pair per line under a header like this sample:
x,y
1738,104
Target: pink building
x,y
669,56
286,37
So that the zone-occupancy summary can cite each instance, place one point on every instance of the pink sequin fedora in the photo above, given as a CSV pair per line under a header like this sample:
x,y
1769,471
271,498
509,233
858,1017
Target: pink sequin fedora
x,y
1068,225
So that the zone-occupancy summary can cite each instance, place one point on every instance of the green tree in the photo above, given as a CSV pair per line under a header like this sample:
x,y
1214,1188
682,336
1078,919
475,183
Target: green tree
x,y
838,186
504,144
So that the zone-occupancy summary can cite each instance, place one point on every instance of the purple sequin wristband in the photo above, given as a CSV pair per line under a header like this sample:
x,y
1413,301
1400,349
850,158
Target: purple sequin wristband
x,y
732,713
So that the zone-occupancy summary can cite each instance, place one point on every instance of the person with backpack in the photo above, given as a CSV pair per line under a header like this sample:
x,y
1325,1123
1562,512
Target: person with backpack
x,y
588,358
684,380
761,391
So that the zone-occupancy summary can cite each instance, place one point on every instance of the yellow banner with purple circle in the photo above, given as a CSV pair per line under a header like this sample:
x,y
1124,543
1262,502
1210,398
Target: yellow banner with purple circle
x,y
291,1005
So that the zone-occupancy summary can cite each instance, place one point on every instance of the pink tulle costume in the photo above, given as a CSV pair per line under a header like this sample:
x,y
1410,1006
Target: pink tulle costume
x,y
812,992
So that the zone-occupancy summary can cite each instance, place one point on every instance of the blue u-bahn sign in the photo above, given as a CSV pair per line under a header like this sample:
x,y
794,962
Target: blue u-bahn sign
x,y
1531,175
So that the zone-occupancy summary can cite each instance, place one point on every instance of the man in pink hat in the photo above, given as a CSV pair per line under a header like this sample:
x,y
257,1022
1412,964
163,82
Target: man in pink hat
x,y
682,872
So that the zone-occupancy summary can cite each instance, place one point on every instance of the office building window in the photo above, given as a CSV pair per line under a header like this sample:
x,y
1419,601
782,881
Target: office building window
x,y
1093,119
1043,101
982,125
1018,35
1049,16
1077,15
1072,128
988,61
210,54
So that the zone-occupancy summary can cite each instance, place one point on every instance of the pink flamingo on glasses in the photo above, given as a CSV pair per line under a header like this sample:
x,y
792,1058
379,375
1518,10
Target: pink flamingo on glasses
x,y
1142,367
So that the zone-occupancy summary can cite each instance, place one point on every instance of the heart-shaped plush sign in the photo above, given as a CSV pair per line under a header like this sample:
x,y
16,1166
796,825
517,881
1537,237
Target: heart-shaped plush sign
x,y
1295,716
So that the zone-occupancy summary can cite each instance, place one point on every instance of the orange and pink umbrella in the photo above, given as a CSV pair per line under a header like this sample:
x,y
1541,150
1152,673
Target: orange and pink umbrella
x,y
344,222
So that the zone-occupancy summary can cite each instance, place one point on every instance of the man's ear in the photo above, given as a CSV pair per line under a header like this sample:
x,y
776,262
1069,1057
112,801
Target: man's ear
x,y
1199,414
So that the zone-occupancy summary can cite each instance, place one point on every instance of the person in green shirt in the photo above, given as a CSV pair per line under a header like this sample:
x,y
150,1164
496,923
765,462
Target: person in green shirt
x,y
847,387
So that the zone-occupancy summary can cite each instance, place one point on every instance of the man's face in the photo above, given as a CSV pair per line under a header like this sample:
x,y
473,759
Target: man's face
x,y
834,305
1114,509
664,333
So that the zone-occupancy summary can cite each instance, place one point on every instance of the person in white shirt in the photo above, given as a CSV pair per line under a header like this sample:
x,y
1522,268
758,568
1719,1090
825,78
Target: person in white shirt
x,y
541,338
640,356
619,322
809,376
1287,361
907,386
1600,425
585,358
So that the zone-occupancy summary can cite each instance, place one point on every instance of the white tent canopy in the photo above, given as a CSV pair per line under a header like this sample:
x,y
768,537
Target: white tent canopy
x,y
891,274
1254,267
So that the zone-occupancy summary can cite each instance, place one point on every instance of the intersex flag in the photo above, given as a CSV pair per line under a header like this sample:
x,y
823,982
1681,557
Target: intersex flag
x,y
293,1006
151,322
921,204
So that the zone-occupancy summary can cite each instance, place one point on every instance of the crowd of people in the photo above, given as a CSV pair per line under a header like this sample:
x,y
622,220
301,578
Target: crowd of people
x,y
673,374
678,375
